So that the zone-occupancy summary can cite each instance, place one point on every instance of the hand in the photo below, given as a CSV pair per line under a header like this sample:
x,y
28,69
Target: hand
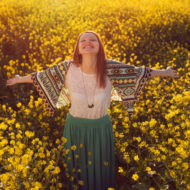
x,y
13,81
172,73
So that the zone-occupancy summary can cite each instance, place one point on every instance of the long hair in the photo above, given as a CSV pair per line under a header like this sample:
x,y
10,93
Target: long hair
x,y
101,60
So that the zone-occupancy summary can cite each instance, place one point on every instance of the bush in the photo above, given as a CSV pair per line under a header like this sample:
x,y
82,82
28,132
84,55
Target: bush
x,y
152,147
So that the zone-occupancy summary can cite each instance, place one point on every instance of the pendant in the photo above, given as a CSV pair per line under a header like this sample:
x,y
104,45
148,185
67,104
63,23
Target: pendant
x,y
91,106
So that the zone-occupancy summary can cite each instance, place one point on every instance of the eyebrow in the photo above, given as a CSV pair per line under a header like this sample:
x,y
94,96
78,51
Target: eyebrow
x,y
89,37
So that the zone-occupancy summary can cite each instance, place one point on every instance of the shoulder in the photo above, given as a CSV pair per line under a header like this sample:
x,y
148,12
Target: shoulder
x,y
111,63
65,65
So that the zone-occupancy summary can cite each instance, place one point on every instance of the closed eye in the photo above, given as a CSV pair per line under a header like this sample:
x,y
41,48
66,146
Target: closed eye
x,y
90,40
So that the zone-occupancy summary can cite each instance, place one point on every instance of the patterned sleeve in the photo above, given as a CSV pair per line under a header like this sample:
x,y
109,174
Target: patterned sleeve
x,y
143,74
49,83
128,80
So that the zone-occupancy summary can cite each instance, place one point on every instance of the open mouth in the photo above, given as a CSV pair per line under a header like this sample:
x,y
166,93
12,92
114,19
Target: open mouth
x,y
88,46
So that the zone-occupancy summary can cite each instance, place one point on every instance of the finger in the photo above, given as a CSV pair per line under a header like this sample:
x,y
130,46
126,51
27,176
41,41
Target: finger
x,y
9,82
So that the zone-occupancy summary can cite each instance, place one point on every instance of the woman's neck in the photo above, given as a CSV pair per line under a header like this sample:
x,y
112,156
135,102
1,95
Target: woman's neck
x,y
89,64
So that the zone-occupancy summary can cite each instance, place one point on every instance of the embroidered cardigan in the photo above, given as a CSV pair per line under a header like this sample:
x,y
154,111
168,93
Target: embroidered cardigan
x,y
127,83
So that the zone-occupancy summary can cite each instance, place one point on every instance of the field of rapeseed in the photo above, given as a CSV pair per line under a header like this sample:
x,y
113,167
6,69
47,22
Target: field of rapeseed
x,y
152,148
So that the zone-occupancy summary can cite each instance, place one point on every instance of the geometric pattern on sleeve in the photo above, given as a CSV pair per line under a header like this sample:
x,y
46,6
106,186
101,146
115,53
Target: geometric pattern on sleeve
x,y
49,84
128,80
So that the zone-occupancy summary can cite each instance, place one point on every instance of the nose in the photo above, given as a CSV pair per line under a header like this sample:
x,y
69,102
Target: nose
x,y
88,42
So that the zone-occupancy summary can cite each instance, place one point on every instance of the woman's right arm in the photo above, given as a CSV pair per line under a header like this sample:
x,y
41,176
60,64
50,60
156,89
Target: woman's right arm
x,y
18,79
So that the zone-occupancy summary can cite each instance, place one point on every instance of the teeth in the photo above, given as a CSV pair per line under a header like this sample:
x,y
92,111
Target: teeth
x,y
87,46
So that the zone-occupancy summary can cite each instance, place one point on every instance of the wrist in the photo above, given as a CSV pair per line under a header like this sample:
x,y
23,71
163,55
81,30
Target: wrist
x,y
19,79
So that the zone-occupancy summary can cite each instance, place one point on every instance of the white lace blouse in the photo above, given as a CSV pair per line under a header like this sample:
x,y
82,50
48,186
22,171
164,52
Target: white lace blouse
x,y
84,93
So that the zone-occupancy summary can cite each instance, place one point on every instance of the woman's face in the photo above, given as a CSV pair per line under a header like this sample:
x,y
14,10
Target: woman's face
x,y
88,44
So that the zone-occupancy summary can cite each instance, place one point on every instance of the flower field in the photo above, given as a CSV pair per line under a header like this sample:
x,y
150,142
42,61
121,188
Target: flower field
x,y
152,148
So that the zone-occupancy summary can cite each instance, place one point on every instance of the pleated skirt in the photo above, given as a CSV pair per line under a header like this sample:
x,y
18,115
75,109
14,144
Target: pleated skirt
x,y
90,162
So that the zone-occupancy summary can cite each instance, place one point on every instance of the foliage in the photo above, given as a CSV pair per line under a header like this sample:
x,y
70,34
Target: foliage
x,y
152,148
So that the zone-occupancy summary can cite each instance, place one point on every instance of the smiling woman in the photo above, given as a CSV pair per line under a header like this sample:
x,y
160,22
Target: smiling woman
x,y
88,123
88,128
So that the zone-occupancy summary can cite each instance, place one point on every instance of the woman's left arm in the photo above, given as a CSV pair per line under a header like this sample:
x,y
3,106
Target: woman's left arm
x,y
168,72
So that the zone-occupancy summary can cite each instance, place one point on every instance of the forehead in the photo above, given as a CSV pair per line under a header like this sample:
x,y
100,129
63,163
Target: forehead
x,y
87,35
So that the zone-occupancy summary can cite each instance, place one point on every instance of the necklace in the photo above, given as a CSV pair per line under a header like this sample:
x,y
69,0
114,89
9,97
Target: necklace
x,y
92,105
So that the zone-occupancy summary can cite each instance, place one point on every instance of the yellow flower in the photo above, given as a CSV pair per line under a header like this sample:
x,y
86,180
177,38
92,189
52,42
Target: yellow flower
x,y
152,122
174,163
80,182
17,125
138,139
136,158
29,134
64,139
135,177
185,165
120,169
60,185
57,141
26,184
4,107
148,169
4,177
172,173
56,170
73,147
35,170
3,142
79,170
163,157
3,126
151,188
11,151
122,149
19,105
158,159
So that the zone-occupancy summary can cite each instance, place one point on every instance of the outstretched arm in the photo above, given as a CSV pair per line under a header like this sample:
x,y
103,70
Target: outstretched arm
x,y
165,73
18,79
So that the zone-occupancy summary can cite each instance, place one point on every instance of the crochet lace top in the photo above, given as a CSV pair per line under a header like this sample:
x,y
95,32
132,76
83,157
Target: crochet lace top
x,y
83,91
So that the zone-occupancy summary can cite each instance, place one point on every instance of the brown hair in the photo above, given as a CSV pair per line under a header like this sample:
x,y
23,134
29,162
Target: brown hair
x,y
101,60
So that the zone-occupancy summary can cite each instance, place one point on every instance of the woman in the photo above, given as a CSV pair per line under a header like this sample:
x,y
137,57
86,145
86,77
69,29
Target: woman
x,y
87,83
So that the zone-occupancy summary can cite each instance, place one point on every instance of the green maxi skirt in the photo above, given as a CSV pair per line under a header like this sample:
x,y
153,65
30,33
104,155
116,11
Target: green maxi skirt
x,y
90,160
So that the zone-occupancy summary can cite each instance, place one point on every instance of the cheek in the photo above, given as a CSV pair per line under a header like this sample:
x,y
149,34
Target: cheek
x,y
98,47
80,47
